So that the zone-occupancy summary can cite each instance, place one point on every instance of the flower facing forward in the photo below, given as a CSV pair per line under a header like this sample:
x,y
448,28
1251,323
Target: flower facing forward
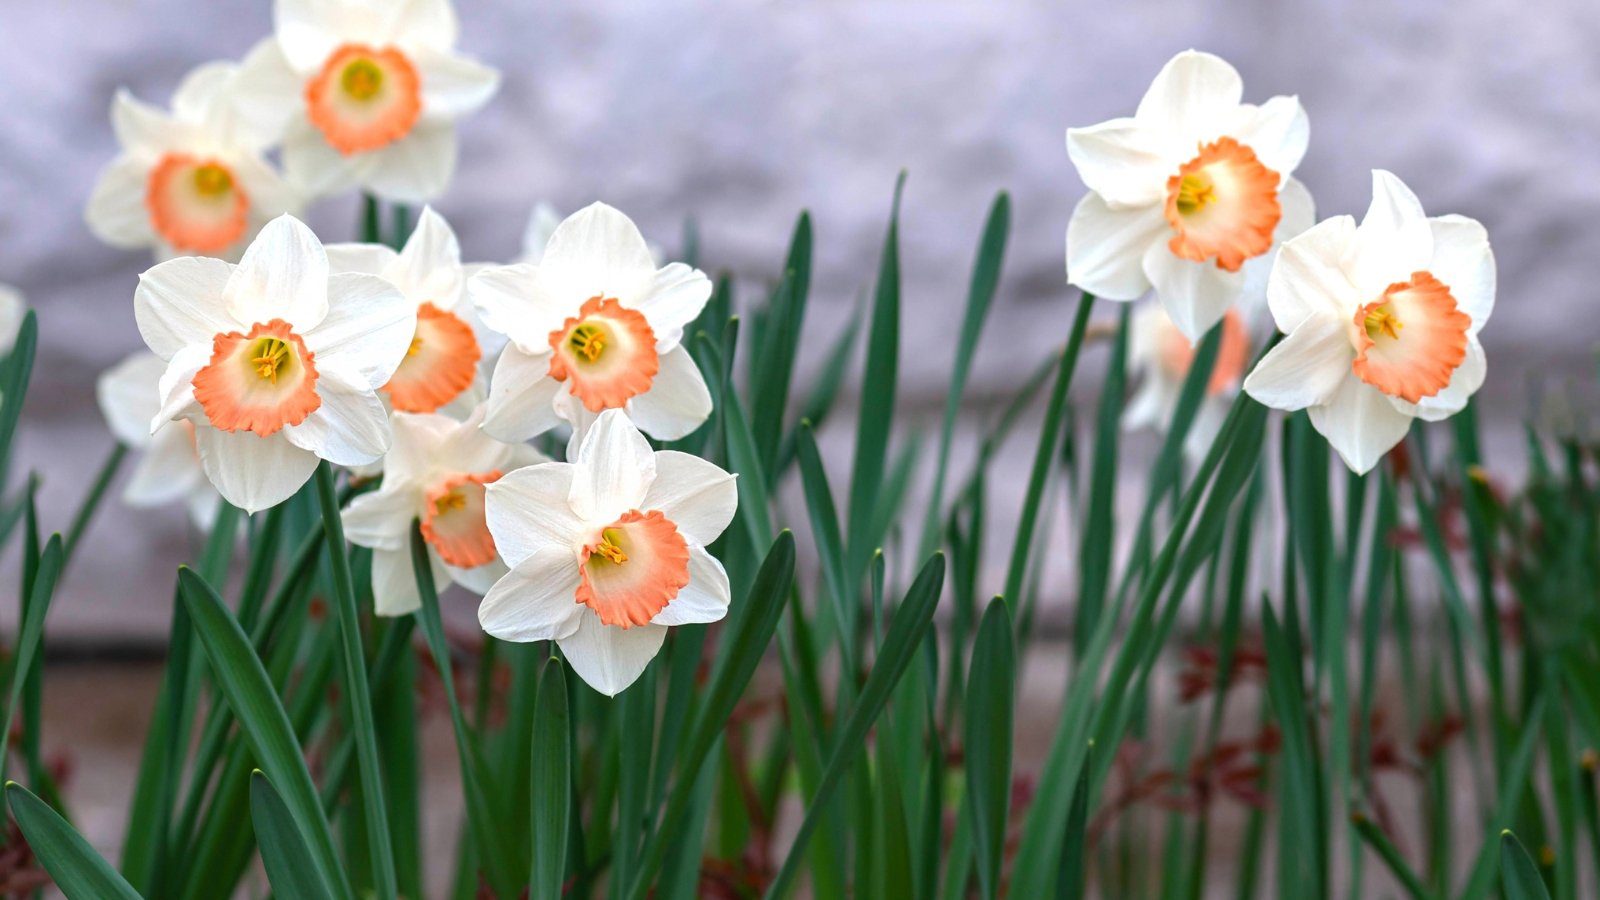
x,y
594,326
442,364
365,94
169,465
275,362
436,472
1161,355
1382,322
607,551
1189,195
191,182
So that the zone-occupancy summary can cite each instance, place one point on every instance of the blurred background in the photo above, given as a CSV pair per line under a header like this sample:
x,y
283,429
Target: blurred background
x,y
742,113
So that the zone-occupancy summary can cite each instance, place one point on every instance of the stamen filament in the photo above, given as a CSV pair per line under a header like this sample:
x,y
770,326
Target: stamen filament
x,y
588,340
609,548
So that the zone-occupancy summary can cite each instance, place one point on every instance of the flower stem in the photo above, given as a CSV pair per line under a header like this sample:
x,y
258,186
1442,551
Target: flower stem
x,y
355,671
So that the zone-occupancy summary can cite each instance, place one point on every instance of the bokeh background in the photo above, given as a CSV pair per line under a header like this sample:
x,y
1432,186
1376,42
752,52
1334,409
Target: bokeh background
x,y
740,114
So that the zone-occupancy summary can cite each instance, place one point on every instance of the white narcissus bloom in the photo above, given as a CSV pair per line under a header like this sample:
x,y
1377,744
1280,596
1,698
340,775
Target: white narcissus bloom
x,y
443,366
594,326
189,182
169,463
1382,322
275,362
435,471
366,94
1189,195
543,222
607,551
1161,355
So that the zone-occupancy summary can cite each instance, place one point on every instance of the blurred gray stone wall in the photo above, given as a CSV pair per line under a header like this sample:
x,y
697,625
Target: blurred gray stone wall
x,y
741,113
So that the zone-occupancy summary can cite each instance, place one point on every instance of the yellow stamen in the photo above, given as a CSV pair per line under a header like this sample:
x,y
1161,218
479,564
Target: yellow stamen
x,y
609,548
1195,191
589,340
362,79
448,502
271,355
415,348
212,180
1382,320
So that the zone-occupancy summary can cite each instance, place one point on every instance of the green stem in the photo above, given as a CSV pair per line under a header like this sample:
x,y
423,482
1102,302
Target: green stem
x,y
371,222
360,696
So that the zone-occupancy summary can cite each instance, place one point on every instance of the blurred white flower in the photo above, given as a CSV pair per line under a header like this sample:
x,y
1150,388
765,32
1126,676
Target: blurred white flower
x,y
169,463
1382,322
594,326
435,471
1161,355
275,362
365,94
191,181
13,309
1188,194
607,551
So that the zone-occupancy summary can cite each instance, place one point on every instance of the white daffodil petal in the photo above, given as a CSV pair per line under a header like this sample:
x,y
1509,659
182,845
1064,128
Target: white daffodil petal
x,y
167,471
610,658
1305,368
425,24
676,296
1307,280
381,519
367,259
142,130
598,251
1122,161
253,472
519,302
416,168
1360,423
678,401
413,454
367,329
698,496
704,598
283,275
453,86
1106,247
530,509
309,31
117,213
429,269
349,428
1193,91
179,303
314,167
1463,261
129,396
615,469
521,397
1195,295
1393,240
1278,132
175,391
536,600
394,582
1464,382
266,93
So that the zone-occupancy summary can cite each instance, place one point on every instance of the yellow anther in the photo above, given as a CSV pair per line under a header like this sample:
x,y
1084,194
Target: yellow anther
x,y
415,348
362,79
1195,190
270,357
1382,320
211,180
609,547
588,340
448,502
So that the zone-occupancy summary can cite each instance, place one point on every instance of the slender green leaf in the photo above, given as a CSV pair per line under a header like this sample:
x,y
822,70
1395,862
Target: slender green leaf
x,y
283,849
552,782
991,700
79,872
1519,877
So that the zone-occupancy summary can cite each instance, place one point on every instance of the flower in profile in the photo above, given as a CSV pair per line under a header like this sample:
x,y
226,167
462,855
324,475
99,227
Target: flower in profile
x,y
189,182
595,325
365,94
274,362
1189,195
169,464
436,472
1382,321
607,551
13,309
1162,355
443,364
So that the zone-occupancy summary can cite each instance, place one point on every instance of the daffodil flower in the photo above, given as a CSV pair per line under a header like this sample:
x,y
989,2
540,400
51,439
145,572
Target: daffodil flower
x,y
189,182
169,463
607,551
1382,321
275,362
1161,355
1190,195
435,472
596,325
365,94
444,363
